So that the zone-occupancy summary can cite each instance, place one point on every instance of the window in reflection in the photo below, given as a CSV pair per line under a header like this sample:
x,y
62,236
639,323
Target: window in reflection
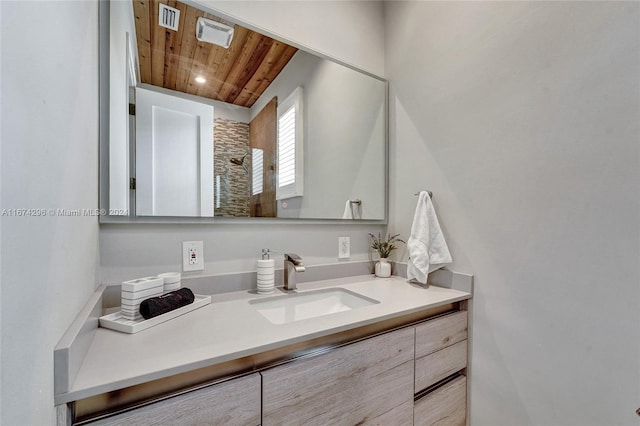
x,y
290,147
257,171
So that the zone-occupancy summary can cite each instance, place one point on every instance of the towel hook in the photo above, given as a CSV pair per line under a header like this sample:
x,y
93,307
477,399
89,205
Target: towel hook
x,y
428,192
356,201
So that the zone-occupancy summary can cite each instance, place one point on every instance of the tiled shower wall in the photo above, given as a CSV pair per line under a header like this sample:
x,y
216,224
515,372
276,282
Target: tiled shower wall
x,y
231,181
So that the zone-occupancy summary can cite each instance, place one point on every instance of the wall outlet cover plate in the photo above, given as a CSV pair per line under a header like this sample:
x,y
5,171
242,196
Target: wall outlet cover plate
x,y
192,256
344,247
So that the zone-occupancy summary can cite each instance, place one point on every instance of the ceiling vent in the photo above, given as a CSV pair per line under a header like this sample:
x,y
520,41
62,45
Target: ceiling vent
x,y
168,17
214,32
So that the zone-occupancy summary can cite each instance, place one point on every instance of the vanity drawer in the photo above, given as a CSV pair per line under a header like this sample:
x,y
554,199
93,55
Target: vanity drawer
x,y
368,382
235,402
440,333
446,405
432,368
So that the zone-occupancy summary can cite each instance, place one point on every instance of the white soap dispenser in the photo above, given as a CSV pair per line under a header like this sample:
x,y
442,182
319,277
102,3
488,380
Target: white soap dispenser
x,y
266,273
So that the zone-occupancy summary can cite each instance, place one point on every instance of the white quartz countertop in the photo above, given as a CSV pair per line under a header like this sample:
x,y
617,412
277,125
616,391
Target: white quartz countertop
x,y
230,328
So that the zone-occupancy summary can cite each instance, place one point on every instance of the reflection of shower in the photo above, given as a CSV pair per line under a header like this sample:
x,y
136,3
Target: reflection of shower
x,y
242,188
240,162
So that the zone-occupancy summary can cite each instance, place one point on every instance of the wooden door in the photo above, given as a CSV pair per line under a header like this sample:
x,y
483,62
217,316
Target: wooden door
x,y
263,136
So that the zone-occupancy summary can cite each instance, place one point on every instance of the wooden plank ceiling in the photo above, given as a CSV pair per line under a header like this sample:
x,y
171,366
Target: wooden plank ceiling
x,y
173,59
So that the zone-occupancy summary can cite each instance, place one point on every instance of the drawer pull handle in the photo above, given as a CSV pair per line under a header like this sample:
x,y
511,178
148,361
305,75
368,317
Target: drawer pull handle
x,y
446,339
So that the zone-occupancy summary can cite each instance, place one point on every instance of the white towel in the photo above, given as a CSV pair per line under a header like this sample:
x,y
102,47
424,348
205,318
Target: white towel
x,y
351,212
428,250
348,213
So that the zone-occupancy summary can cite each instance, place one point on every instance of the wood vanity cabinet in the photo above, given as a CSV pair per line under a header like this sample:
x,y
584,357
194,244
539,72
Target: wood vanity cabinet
x,y
368,382
409,376
376,381
441,357
234,402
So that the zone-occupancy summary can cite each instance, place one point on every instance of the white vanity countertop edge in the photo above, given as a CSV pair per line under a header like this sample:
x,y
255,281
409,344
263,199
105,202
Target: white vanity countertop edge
x,y
230,328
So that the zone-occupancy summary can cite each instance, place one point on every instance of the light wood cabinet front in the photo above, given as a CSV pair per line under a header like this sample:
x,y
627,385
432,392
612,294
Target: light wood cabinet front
x,y
235,402
446,406
440,365
441,352
369,382
441,332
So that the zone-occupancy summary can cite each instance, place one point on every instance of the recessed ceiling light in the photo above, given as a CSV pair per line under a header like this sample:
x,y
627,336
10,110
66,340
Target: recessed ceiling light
x,y
200,79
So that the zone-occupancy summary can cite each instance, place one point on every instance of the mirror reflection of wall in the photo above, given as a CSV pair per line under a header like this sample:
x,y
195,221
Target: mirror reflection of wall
x,y
228,74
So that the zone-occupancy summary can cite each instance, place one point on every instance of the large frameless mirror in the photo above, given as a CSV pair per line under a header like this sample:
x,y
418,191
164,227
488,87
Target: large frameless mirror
x,y
205,119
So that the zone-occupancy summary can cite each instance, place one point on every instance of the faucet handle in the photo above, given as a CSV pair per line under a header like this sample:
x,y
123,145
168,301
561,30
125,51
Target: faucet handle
x,y
293,258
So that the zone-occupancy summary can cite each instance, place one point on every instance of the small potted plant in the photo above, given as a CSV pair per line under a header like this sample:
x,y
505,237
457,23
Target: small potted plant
x,y
384,247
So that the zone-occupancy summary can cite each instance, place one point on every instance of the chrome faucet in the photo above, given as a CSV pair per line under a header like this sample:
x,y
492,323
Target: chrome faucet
x,y
292,264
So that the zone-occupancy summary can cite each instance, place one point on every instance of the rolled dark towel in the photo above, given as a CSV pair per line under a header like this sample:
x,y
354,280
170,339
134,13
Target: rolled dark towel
x,y
155,306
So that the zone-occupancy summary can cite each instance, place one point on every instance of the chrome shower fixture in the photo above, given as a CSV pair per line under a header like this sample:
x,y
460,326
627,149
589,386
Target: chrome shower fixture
x,y
240,162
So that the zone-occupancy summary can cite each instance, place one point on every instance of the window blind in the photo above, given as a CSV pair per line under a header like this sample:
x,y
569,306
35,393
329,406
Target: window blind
x,y
257,184
287,148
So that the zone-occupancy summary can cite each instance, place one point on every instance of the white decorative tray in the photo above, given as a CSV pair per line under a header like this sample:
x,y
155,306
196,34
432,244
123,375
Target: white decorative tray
x,y
116,321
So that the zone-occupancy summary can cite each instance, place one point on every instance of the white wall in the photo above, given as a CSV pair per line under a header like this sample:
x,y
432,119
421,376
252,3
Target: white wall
x,y
522,118
220,109
136,250
49,160
349,30
1,205
133,251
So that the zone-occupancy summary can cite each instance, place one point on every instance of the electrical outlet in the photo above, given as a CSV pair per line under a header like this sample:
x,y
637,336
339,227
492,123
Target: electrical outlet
x,y
192,256
344,247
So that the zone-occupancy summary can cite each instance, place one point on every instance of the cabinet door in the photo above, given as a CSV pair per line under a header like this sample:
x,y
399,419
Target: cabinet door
x,y
369,382
235,402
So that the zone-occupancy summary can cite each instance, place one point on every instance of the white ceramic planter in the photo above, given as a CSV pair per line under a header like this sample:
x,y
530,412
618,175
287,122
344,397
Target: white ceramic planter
x,y
383,268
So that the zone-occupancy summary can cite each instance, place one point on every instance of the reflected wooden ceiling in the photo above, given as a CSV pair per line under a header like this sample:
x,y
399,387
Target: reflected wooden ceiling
x,y
173,59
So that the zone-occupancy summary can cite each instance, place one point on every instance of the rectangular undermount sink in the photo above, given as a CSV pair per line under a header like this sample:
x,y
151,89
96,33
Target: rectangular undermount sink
x,y
310,304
